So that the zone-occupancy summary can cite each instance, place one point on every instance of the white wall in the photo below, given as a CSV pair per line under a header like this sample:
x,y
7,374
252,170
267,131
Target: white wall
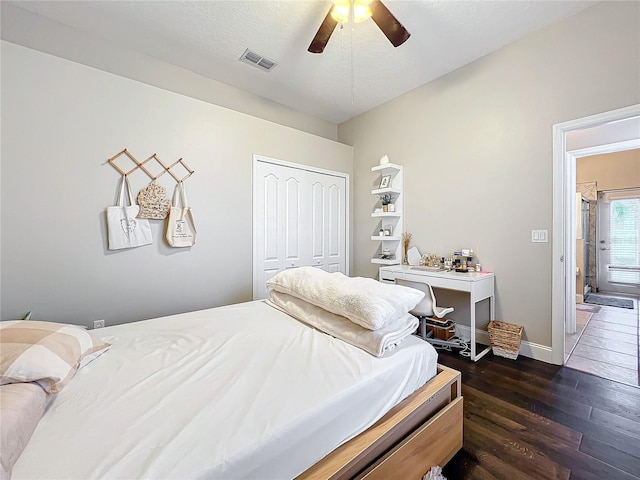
x,y
60,122
477,150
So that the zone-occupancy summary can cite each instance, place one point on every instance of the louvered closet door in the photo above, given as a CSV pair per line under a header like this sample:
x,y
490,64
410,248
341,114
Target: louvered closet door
x,y
299,220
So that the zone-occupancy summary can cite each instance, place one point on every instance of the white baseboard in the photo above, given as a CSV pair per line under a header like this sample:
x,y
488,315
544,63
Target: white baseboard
x,y
527,349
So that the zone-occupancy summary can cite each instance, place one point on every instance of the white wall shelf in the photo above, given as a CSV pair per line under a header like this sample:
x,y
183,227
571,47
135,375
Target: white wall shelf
x,y
387,169
380,261
392,190
392,243
386,238
386,214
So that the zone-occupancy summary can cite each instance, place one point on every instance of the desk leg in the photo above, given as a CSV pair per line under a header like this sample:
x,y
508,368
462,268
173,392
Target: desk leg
x,y
492,307
475,357
472,311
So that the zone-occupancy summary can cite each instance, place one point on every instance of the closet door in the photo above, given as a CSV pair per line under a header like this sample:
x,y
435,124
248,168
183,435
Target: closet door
x,y
299,220
328,222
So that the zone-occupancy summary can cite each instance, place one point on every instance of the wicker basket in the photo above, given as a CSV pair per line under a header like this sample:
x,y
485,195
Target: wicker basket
x,y
505,338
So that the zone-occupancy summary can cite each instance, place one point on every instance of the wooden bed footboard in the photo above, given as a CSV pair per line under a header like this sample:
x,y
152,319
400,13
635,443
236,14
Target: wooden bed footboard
x,y
423,430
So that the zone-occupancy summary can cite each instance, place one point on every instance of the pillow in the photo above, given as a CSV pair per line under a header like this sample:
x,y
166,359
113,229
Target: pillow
x,y
21,407
365,301
45,352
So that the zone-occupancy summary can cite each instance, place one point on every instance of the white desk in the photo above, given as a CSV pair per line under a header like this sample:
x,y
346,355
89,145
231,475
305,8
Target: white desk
x,y
480,286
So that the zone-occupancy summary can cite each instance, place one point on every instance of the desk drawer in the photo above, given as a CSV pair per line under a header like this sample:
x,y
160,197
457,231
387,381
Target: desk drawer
x,y
389,277
457,284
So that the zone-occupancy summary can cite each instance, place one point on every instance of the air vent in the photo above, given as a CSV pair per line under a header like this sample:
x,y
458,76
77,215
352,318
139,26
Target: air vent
x,y
257,60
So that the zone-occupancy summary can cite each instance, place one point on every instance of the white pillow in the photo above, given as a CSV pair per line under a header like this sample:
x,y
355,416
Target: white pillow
x,y
45,352
365,301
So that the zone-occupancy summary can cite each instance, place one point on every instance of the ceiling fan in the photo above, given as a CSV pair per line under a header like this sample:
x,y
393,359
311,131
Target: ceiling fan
x,y
359,10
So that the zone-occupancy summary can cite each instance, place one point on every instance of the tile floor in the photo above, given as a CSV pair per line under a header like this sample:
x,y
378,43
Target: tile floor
x,y
605,343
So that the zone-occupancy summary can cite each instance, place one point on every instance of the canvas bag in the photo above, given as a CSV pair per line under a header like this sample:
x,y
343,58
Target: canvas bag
x,y
125,230
181,227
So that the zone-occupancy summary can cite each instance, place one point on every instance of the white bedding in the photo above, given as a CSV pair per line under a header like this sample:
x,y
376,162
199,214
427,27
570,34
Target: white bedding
x,y
243,391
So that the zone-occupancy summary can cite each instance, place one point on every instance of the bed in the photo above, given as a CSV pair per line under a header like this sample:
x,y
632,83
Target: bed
x,y
246,391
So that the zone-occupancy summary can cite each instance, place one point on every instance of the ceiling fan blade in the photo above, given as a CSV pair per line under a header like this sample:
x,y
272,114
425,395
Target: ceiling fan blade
x,y
389,24
324,33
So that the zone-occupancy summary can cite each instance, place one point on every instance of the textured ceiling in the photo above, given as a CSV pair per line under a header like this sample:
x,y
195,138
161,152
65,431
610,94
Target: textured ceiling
x,y
358,70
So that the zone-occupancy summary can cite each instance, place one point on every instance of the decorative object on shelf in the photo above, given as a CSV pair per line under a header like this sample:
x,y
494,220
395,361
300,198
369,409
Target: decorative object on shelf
x,y
381,232
153,203
124,229
384,159
181,227
385,200
387,230
406,241
385,181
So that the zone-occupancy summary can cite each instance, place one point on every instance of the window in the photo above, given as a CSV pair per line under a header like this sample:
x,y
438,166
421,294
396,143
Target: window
x,y
624,231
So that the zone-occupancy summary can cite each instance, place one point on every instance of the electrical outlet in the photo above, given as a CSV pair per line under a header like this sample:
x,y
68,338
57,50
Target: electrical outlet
x,y
98,323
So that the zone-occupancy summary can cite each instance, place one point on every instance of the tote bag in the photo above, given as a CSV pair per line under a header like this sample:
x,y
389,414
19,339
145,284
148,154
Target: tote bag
x,y
125,230
181,228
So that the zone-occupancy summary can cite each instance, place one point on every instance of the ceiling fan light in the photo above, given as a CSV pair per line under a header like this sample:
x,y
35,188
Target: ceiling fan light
x,y
340,11
361,10
340,14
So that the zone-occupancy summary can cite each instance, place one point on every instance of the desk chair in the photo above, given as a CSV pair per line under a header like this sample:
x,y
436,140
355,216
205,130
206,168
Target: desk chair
x,y
426,308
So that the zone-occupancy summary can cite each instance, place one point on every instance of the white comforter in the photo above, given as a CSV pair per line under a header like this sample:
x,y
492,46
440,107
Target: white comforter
x,y
243,391
378,342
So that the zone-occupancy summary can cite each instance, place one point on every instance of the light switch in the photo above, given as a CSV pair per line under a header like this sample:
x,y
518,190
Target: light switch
x,y
539,236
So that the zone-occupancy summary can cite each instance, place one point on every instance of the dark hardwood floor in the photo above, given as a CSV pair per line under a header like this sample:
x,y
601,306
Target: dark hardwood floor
x,y
525,419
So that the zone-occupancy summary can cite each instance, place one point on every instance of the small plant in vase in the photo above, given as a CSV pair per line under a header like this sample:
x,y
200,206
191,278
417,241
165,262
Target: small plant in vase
x,y
385,200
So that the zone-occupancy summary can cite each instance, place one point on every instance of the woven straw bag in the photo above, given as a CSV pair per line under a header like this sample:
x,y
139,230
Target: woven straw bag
x,y
153,203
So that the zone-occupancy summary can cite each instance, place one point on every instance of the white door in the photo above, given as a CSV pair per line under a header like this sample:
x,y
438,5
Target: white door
x,y
618,244
299,220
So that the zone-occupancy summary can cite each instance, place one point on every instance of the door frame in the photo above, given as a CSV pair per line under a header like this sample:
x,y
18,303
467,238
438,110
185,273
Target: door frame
x,y
563,284
298,166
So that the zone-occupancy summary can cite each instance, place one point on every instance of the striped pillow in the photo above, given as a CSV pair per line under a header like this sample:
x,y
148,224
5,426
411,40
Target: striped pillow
x,y
45,352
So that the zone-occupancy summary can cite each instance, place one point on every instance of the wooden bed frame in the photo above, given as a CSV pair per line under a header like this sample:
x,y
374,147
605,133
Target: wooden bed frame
x,y
423,430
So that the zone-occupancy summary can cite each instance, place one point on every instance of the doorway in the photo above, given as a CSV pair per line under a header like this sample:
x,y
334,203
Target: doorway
x,y
606,137
605,342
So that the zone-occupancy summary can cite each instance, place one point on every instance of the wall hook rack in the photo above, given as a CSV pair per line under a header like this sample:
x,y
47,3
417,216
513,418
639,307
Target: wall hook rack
x,y
141,165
